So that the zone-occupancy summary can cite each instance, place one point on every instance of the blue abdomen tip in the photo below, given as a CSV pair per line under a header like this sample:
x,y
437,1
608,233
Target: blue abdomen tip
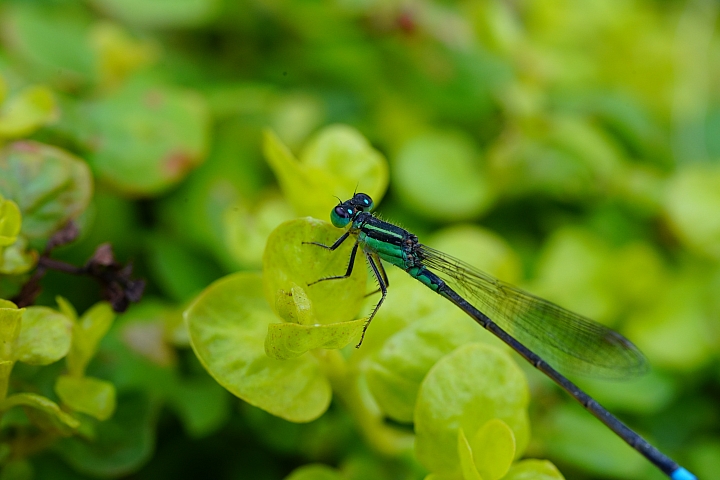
x,y
682,474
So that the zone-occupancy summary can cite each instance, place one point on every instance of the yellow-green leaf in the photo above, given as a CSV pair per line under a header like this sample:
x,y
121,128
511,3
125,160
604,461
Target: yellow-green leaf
x,y
465,389
289,261
45,336
42,411
89,330
534,470
295,306
88,395
456,188
10,222
228,323
290,340
10,321
467,464
334,163
16,258
493,448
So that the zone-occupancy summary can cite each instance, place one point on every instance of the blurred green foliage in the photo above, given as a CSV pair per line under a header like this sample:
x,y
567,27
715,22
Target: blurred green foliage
x,y
569,147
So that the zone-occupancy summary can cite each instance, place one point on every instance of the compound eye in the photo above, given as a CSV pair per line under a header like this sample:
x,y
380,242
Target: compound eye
x,y
363,201
343,211
341,215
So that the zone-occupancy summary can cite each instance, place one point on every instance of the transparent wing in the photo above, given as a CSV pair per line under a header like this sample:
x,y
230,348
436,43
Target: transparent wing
x,y
567,341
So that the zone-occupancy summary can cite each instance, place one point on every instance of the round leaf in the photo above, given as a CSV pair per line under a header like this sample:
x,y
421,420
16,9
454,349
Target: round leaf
x,y
465,389
288,262
454,188
395,371
493,449
228,323
45,336
88,395
145,138
49,185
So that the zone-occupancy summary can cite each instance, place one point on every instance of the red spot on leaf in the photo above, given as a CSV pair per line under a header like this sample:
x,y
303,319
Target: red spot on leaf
x,y
177,163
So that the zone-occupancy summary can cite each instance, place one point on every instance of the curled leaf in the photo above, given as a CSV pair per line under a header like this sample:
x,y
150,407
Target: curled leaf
x,y
336,162
469,470
290,340
289,260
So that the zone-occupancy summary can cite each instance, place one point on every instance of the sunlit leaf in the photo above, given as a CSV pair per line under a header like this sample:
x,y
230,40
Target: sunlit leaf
x,y
465,389
396,370
288,261
228,324
467,465
493,449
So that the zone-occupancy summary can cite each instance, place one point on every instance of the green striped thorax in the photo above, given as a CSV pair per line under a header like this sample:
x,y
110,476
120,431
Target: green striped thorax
x,y
345,212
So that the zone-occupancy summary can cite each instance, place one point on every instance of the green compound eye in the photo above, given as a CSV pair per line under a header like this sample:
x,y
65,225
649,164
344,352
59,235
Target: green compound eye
x,y
342,214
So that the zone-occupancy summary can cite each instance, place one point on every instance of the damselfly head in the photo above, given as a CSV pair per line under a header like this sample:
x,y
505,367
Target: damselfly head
x,y
343,214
